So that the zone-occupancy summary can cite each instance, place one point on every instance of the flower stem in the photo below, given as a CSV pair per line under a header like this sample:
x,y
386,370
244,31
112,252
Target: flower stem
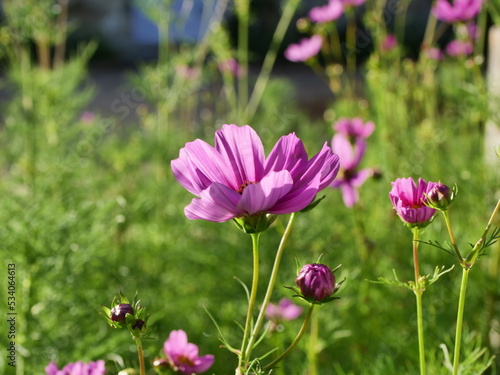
x,y
295,342
251,302
452,238
270,286
419,291
460,317
270,58
140,352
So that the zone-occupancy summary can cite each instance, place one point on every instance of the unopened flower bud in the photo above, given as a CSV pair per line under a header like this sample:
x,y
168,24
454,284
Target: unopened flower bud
x,y
119,312
440,197
316,281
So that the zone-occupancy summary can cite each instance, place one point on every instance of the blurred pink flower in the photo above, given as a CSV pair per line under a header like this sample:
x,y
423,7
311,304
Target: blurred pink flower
x,y
231,66
434,53
390,42
354,127
457,48
187,72
305,49
285,310
458,11
87,117
77,368
183,356
327,13
349,178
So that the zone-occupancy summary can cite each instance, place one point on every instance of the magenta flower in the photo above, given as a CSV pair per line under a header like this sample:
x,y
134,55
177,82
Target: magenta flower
x,y
183,356
327,13
305,49
457,48
231,66
410,201
235,180
434,53
350,178
77,368
316,282
285,310
458,11
354,128
389,43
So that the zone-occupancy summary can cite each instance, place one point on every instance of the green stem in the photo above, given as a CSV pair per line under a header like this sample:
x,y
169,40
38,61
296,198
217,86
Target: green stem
x,y
243,359
313,346
270,58
419,291
295,342
452,238
243,10
460,318
270,286
140,352
471,259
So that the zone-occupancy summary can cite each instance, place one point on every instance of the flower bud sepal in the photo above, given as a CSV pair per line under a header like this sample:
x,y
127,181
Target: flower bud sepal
x,y
255,223
441,196
124,314
316,283
312,300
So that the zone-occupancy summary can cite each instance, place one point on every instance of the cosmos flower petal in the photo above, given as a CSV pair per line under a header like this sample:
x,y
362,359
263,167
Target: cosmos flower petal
x,y
344,149
289,153
298,199
218,203
260,197
349,195
193,171
242,150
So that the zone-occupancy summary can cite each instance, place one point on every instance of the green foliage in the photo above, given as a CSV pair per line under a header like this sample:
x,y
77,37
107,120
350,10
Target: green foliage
x,y
89,210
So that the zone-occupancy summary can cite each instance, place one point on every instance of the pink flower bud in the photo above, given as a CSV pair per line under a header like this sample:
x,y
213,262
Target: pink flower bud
x,y
316,281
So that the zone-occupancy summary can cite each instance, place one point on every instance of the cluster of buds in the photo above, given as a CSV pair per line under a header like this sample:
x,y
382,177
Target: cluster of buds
x,y
126,314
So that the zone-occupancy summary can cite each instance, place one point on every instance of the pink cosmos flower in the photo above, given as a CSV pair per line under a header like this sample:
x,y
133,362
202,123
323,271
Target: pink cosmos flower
x,y
434,53
327,13
234,179
458,48
231,66
305,49
350,178
389,43
77,368
354,128
410,199
183,356
187,72
458,11
285,310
